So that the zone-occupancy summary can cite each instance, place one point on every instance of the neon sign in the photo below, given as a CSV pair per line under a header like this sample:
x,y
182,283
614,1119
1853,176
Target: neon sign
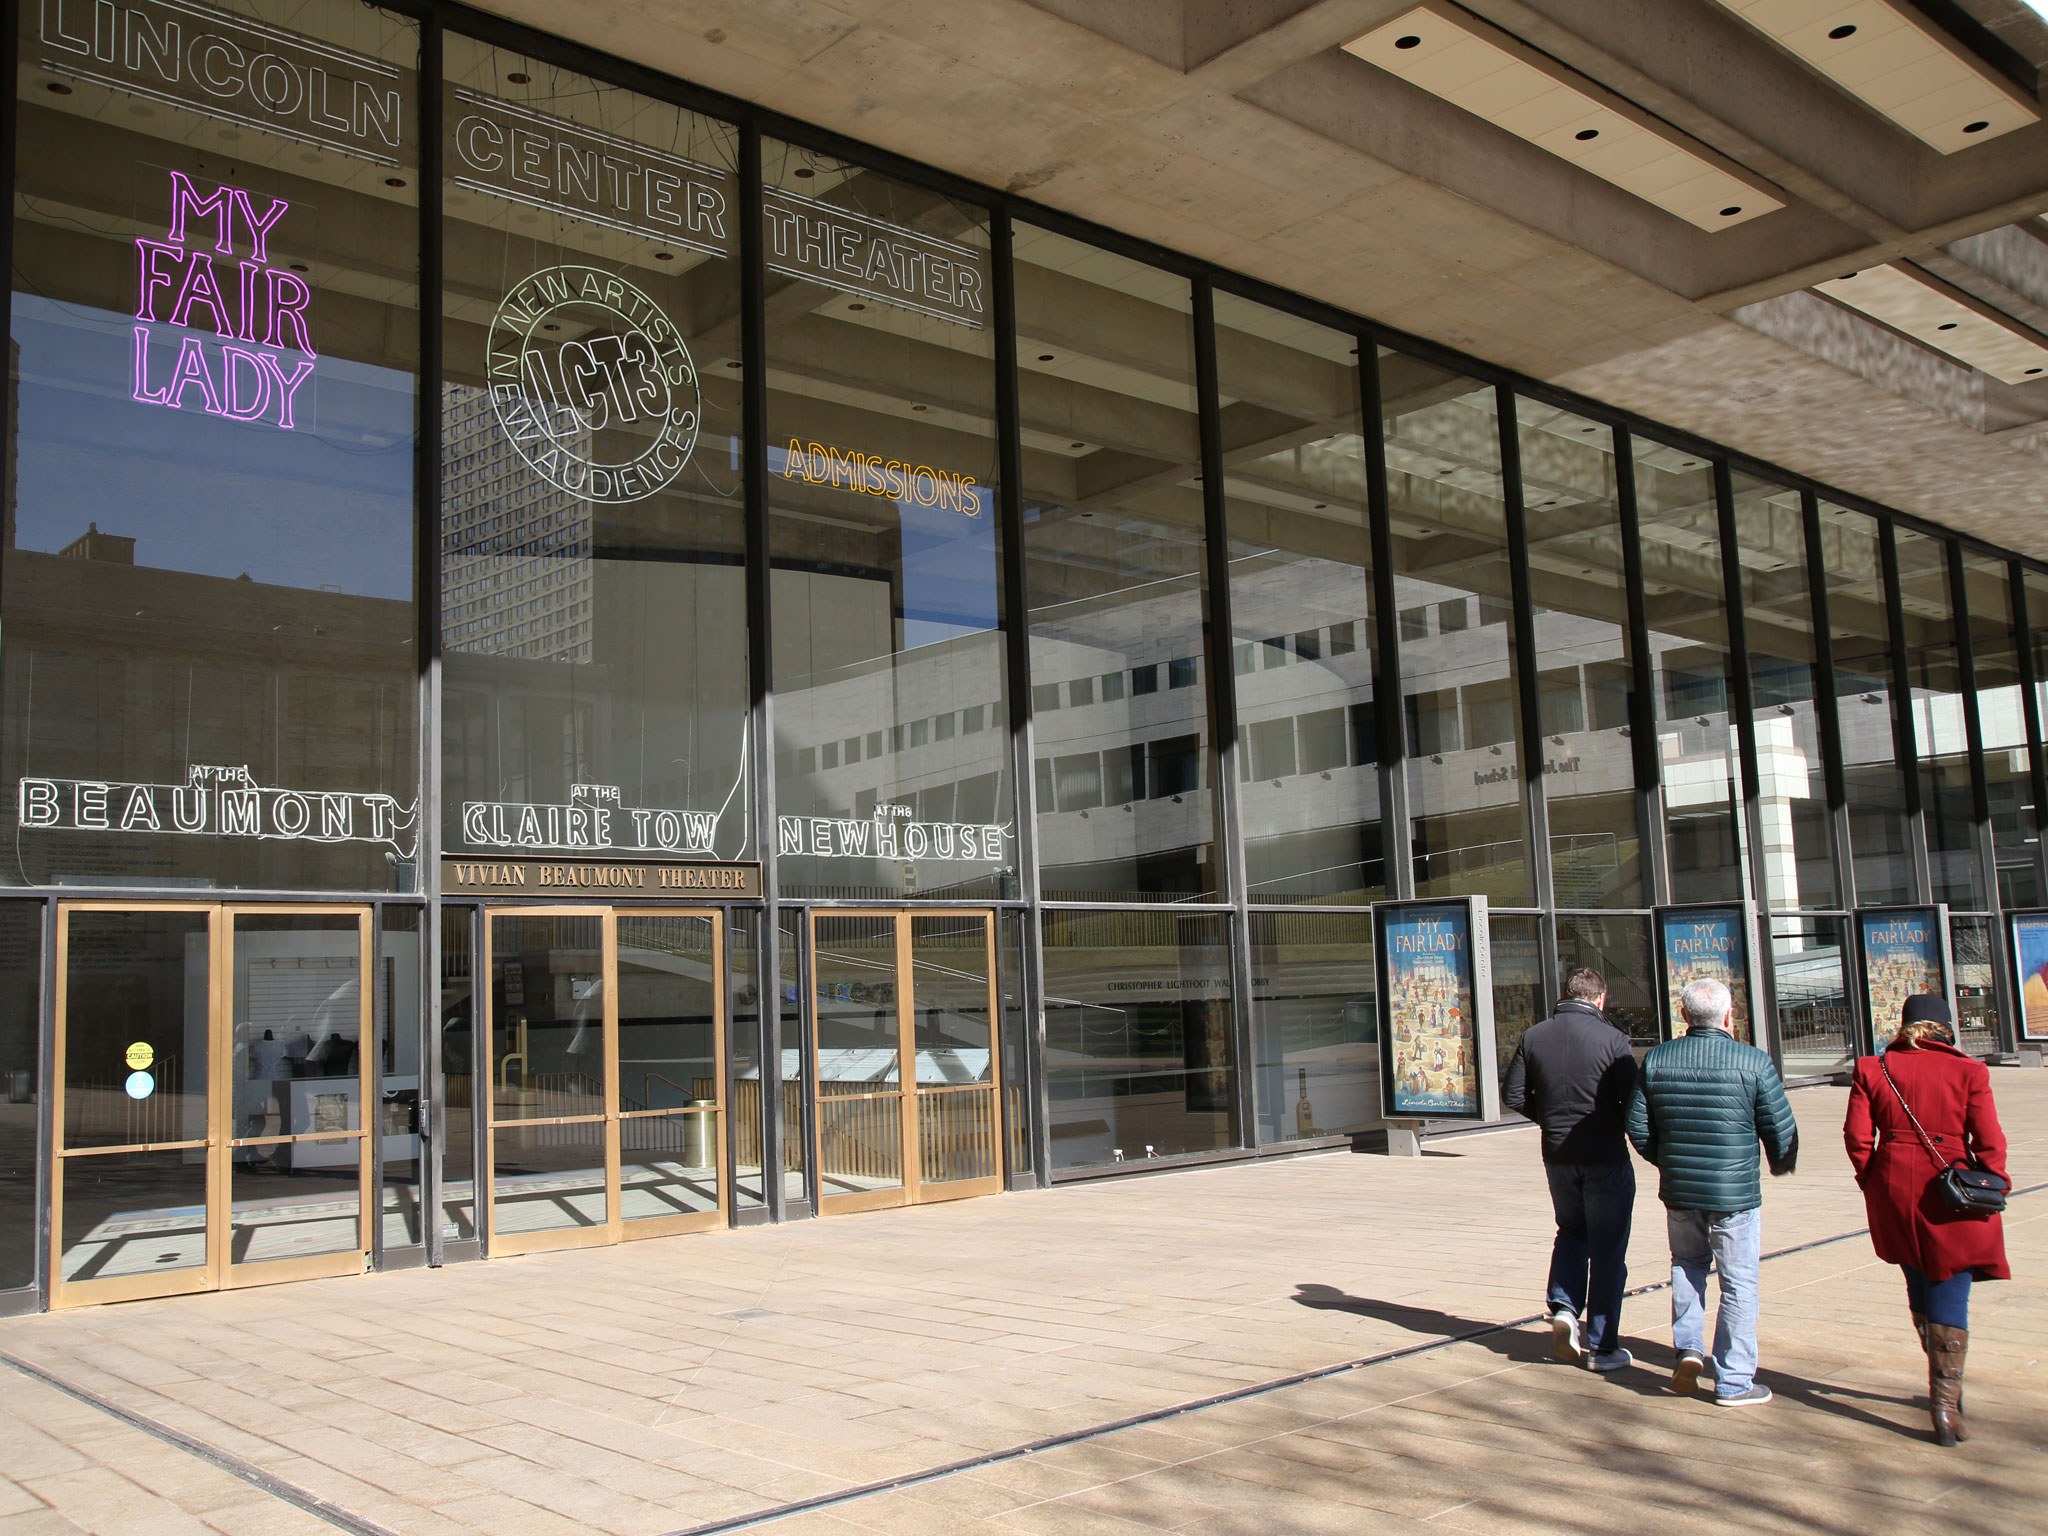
x,y
622,371
216,802
883,837
849,251
256,317
592,820
869,474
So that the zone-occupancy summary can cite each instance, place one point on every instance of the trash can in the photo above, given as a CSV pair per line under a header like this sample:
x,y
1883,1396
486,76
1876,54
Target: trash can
x,y
700,1135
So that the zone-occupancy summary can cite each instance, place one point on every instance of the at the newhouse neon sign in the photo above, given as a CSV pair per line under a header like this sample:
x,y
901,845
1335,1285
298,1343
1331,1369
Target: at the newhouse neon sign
x,y
230,340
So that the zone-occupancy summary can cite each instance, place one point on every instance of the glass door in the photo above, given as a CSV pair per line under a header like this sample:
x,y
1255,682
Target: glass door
x,y
211,1082
601,1075
903,1025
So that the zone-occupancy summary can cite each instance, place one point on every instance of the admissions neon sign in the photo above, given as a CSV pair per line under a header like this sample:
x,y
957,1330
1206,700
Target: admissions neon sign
x,y
229,341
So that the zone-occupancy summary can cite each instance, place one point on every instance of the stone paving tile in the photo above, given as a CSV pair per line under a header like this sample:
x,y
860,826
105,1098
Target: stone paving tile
x,y
601,1390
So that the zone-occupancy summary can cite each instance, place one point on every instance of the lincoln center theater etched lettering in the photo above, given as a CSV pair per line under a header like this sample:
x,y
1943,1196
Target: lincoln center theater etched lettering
x,y
593,385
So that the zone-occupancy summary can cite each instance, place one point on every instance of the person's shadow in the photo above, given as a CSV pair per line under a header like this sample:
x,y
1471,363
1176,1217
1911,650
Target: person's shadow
x,y
1514,1341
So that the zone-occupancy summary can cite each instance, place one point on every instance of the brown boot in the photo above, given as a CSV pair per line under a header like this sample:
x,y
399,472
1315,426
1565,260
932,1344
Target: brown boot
x,y
1947,1348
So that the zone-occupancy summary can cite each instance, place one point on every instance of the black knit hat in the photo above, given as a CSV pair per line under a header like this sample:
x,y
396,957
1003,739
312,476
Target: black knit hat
x,y
1926,1008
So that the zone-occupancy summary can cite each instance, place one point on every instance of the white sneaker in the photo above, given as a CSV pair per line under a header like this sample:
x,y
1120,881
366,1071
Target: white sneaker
x,y
1564,1337
1614,1359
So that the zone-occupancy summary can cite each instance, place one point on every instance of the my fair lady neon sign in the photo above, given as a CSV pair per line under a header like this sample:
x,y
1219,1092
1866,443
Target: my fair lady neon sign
x,y
260,350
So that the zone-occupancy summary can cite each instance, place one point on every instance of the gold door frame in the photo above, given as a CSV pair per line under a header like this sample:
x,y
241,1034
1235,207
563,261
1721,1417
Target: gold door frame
x,y
912,1190
614,1228
220,1271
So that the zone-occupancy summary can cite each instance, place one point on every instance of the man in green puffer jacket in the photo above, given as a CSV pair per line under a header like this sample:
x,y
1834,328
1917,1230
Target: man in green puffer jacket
x,y
1703,1106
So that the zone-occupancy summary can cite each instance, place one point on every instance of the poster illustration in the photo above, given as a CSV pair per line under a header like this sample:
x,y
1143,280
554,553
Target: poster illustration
x,y
1902,954
1433,1037
1704,944
2030,966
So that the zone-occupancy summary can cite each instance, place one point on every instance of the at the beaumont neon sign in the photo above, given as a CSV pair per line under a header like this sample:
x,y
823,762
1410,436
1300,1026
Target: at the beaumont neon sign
x,y
224,336
217,802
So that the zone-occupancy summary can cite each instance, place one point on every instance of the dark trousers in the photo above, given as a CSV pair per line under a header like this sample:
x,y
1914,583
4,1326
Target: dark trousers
x,y
1595,1205
1946,1302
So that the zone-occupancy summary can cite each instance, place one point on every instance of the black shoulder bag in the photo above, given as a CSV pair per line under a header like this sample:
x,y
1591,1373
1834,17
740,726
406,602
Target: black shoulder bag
x,y
1966,1186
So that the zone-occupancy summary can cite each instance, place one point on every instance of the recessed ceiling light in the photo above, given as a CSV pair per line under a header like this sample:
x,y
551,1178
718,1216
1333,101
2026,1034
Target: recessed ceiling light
x,y
1976,127
518,77
803,173
920,407
1586,133
1084,445
58,88
1729,213
394,181
550,325
856,308
1946,325
664,255
1848,29
1045,357
296,266
1411,41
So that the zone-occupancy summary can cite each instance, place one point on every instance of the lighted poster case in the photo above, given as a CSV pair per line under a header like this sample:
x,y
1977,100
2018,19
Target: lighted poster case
x,y
1705,943
1901,951
2027,939
1436,1010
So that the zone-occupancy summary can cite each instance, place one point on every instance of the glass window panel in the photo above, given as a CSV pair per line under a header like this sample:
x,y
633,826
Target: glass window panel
x,y
796,1056
1618,947
397,1111
668,1165
295,1201
297,998
1139,1058
1519,996
1977,1015
1315,1024
136,979
132,1213
952,1032
860,1055
1692,663
1816,1029
882,484
547,1017
1448,511
214,334
21,1034
1573,520
1016,1043
461,1047
547,1177
669,1012
593,618
1114,562
1859,623
2001,715
743,1057
1934,666
1797,849
1300,555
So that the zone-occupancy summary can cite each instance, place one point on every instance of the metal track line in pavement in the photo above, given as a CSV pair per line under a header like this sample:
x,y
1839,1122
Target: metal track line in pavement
x,y
335,1515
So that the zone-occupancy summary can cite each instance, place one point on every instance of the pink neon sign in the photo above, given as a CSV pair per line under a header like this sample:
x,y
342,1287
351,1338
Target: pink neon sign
x,y
245,372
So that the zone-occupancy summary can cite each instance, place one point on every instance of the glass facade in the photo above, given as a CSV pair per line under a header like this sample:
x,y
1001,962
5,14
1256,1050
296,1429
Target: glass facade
x,y
605,564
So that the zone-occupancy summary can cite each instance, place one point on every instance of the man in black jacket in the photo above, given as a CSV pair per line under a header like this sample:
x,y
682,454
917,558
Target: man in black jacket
x,y
1574,1075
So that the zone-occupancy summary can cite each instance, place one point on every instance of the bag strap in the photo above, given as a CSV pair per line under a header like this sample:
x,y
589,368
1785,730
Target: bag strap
x,y
1925,1140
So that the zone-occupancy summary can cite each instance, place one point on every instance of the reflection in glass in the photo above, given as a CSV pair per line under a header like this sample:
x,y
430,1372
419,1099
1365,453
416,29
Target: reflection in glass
x,y
295,1201
1797,850
1816,1029
1940,737
132,1213
217,581
1977,1015
1584,680
1139,1060
461,1091
743,1056
1880,836
892,749
1460,708
1315,1024
21,999
668,1013
796,1125
547,1017
1519,997
1015,1034
1116,572
1693,663
952,1028
1618,947
668,1165
2001,716
1301,611
396,1113
295,1064
547,1177
860,1060
135,987
591,530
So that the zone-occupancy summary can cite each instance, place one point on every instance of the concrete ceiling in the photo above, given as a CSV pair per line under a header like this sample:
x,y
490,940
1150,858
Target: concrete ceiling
x,y
1239,131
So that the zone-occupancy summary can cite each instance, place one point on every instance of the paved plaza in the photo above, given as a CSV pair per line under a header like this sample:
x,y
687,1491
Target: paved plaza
x,y
699,1381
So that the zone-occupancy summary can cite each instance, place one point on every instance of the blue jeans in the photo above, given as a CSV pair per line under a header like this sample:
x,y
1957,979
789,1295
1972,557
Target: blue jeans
x,y
1595,1205
1733,1242
1946,1302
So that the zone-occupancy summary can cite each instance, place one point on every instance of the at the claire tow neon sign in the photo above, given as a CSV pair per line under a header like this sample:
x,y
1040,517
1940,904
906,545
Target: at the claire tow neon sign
x,y
259,350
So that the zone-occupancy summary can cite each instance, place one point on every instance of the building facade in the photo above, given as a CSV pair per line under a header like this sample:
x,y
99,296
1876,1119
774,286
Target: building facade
x,y
584,661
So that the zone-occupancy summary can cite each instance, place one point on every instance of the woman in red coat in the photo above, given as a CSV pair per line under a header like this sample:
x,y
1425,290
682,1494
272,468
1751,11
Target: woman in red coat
x,y
1941,1250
